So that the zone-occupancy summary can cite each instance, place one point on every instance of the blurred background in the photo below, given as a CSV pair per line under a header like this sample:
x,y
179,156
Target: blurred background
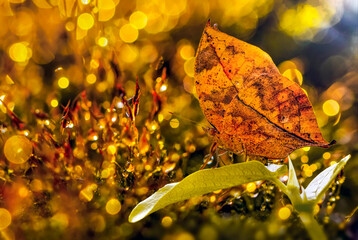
x,y
98,110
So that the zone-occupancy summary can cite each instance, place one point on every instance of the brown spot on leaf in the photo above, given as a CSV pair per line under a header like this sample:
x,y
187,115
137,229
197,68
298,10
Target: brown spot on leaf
x,y
227,99
253,107
206,59
231,49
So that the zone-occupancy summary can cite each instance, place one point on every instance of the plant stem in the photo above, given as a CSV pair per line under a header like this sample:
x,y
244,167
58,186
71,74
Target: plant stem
x,y
281,186
313,228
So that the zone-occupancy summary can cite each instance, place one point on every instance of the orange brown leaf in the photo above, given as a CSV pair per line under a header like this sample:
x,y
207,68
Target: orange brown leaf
x,y
252,107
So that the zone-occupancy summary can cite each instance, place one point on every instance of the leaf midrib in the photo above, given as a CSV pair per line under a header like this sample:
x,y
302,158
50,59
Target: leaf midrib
x,y
238,98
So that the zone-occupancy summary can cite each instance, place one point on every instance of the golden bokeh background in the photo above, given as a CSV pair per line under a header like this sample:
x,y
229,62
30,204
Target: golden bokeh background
x,y
82,143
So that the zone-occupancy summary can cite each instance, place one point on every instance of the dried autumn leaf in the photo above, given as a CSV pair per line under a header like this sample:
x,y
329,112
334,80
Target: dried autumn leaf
x,y
252,107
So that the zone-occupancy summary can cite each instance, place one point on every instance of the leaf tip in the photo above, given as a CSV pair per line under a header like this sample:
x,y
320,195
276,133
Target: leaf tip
x,y
333,142
346,158
133,218
292,178
136,215
208,25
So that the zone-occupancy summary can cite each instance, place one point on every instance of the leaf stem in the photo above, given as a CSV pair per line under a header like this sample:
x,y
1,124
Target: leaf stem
x,y
281,186
313,228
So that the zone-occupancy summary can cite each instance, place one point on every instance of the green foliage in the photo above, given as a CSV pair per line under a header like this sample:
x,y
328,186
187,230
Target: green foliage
x,y
320,184
209,180
206,181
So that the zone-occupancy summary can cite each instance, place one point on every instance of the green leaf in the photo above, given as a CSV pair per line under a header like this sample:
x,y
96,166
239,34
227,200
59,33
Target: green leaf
x,y
292,178
293,187
206,181
320,184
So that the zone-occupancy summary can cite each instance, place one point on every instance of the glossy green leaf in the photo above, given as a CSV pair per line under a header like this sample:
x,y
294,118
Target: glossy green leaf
x,y
206,181
292,178
320,184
